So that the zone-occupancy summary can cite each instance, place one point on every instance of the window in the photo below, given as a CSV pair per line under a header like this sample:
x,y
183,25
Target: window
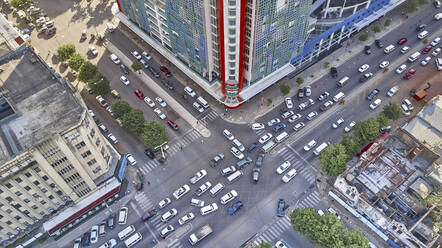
x,y
232,56
232,40
232,31
232,64
8,222
231,77
43,202
37,169
42,213
36,182
35,195
17,217
232,2
9,199
27,174
9,211
52,185
44,190
27,188
93,161
232,72
26,200
18,193
34,207
51,197
18,180
1,191
232,12
26,212
45,178
1,216
8,185
232,49
232,22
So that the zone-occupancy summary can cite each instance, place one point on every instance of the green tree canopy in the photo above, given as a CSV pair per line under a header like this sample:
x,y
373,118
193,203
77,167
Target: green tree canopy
x,y
354,239
411,6
136,66
154,134
264,245
87,71
20,4
299,80
376,28
392,111
133,121
363,37
383,120
65,51
285,89
333,159
75,61
120,108
351,144
366,131
99,85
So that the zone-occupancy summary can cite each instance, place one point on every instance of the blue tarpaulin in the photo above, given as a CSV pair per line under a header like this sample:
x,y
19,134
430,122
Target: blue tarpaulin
x,y
122,169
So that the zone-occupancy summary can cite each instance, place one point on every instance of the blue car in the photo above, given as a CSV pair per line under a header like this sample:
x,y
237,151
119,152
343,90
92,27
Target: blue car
x,y
124,69
281,208
278,127
252,146
244,162
235,207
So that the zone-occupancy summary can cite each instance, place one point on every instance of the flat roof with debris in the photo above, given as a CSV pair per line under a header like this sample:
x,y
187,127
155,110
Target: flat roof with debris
x,y
10,37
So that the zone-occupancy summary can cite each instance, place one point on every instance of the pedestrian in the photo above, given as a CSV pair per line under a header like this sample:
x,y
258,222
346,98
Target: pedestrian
x,y
148,182
181,148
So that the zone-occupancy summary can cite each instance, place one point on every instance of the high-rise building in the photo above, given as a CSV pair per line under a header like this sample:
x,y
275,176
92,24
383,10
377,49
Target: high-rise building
x,y
235,49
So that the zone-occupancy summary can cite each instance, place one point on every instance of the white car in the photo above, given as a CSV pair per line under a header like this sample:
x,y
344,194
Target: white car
x,y
159,113
93,50
203,188
144,63
299,126
312,115
308,90
149,102
289,102
363,68
266,137
115,59
436,51
257,126
405,49
283,167
94,234
338,123
146,55
228,135
189,91
186,218
228,170
164,203
405,110
289,175
425,61
168,215
131,159
209,209
112,138
273,122
438,16
161,101
228,197
198,176
375,104
124,80
391,92
166,231
181,191
323,96
435,41
349,126
236,153
109,109
306,104
384,64
198,107
310,145
136,55
280,244
401,69
287,114
295,117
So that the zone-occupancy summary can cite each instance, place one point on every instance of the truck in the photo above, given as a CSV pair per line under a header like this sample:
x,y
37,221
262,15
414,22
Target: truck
x,y
200,234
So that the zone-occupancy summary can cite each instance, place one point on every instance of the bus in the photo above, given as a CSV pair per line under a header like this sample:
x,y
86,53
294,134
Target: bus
x,y
268,146
132,240
200,234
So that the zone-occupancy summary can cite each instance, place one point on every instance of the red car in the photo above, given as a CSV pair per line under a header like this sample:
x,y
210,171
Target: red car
x,y
165,70
402,41
426,49
173,125
409,74
139,94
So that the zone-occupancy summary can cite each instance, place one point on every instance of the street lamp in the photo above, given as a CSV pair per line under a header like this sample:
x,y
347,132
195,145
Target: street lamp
x,y
162,150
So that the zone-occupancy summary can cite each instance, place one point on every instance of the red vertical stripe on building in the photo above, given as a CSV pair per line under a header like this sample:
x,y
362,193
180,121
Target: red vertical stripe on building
x,y
242,39
221,45
119,6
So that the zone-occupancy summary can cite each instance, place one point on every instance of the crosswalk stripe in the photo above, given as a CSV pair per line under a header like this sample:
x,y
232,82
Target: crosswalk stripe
x,y
282,224
143,170
285,223
266,238
276,228
256,242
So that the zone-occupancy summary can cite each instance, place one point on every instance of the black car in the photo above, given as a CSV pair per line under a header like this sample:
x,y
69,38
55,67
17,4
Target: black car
x,y
149,214
252,146
255,174
154,72
334,72
300,93
111,221
372,94
260,159
149,153
86,239
421,27
367,50
124,69
379,43
281,208
139,186
168,84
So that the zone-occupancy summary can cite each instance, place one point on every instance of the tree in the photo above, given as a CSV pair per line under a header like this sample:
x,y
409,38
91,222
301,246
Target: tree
x,y
285,89
120,108
87,71
366,131
351,144
269,101
20,4
333,159
411,6
75,61
363,37
299,80
354,239
387,22
326,64
264,245
383,120
136,66
65,51
422,2
154,134
392,111
376,28
133,121
99,85
425,41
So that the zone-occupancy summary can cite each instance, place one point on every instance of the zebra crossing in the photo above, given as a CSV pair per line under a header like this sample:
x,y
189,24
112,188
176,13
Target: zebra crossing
x,y
310,201
273,232
212,115
300,167
143,201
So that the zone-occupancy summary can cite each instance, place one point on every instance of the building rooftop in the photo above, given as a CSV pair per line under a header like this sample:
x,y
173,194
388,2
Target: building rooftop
x,y
34,105
10,37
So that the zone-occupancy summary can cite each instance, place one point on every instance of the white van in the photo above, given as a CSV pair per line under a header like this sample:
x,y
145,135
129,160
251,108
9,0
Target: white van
x,y
320,148
126,232
123,215
389,49
202,102
422,34
235,176
281,137
339,97
343,81
414,56
228,134
133,239
209,209
216,189
438,62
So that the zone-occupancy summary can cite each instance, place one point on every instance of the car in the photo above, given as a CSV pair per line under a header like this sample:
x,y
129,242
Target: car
x,y
124,69
168,85
323,96
86,239
112,138
366,76
136,55
163,203
255,174
294,118
436,51
409,74
236,153
405,110
273,122
124,80
111,221
421,27
93,50
144,63
287,114
181,191
281,208
215,160
161,101
198,107
338,123
115,59
283,167
280,244
159,113
299,126
289,102
300,93
197,203
149,214
391,92
235,207
349,126
228,170
189,91
228,197
278,127
154,72
131,159
405,49
101,101
401,69
257,126
307,90
289,175
438,16
166,231
260,159
203,188
198,176
426,49
363,68
172,124
209,209
166,71
385,129
379,43
334,72
306,104
149,102
146,55
94,234
242,163
77,243
435,41
312,115
186,218
402,41
139,94
266,137
425,61
408,104
375,104
384,64
367,50
310,145
103,128
372,94
228,135
168,215
252,146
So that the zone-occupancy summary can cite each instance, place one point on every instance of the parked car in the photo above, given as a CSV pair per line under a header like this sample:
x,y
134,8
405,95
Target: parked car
x,y
273,122
298,126
349,126
235,207
375,104
94,234
257,126
278,127
163,203
166,231
300,93
405,49
289,102
384,64
198,107
181,191
215,160
425,61
229,197
139,94
338,123
198,176
160,113
186,218
363,68
307,90
149,214
391,92
312,115
172,124
310,145
334,72
289,175
294,118
136,55
323,96
260,159
402,41
367,50
124,69
281,208
266,137
255,174
372,94
379,43
401,69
